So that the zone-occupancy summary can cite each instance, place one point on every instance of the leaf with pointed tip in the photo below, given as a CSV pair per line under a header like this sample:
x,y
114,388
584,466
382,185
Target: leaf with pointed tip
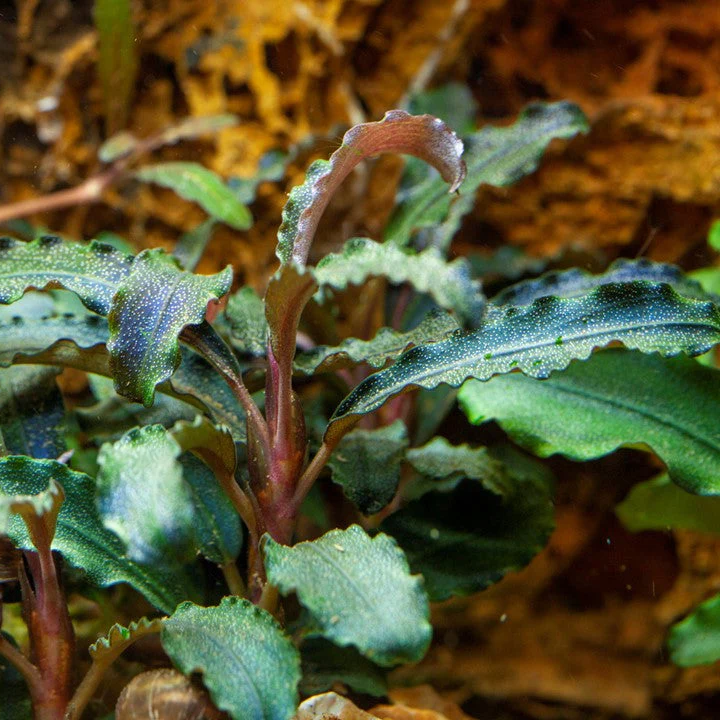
x,y
91,271
617,398
150,309
439,460
193,127
357,591
423,136
32,414
196,183
449,284
80,535
386,345
544,336
696,639
466,539
245,314
576,282
118,638
494,156
142,496
659,504
249,666
366,464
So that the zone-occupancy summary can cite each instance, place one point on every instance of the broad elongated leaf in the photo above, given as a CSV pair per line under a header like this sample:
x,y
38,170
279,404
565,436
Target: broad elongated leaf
x,y
545,336
194,182
367,465
91,271
696,639
249,666
357,591
659,504
143,499
449,284
118,62
80,535
423,136
245,313
32,413
151,307
616,398
468,538
494,156
577,282
386,345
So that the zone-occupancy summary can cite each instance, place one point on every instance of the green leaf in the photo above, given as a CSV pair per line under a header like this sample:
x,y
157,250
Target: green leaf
x,y
542,337
191,245
440,460
16,704
449,284
81,537
494,156
245,313
32,414
325,664
453,103
423,136
576,282
143,499
357,591
659,504
386,345
196,183
118,61
714,235
151,307
366,464
464,540
91,271
249,666
617,398
120,637
696,639
119,145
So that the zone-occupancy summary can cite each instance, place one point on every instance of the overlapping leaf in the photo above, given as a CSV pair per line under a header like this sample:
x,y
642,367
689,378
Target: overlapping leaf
x,y
423,136
249,666
152,305
546,336
616,398
245,313
357,591
448,283
80,535
494,156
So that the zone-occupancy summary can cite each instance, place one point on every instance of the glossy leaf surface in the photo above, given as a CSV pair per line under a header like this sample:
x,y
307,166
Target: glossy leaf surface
x,y
249,666
616,398
357,591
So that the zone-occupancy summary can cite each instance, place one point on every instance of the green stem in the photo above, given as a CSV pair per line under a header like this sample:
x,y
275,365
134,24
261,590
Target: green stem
x,y
233,579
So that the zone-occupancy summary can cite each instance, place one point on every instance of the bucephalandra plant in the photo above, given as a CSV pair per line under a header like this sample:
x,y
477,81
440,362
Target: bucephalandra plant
x,y
216,429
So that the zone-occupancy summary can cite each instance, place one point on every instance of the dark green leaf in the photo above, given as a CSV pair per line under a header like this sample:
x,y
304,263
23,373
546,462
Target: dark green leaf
x,y
659,504
366,464
245,313
616,398
150,309
357,591
91,271
81,537
386,345
194,182
142,497
421,135
449,284
325,664
249,666
545,336
494,156
190,247
118,62
453,103
32,414
696,639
